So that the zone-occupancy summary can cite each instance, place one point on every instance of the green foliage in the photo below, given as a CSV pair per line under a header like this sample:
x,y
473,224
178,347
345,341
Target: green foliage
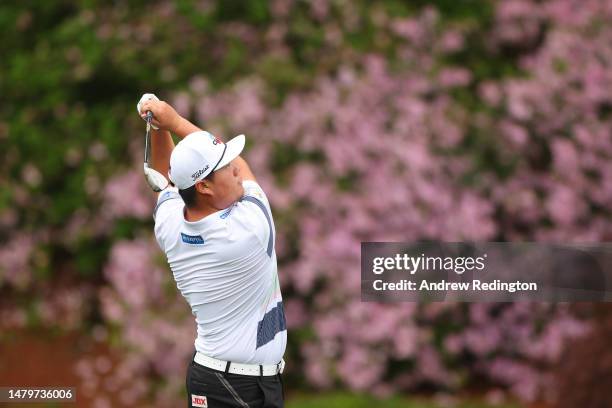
x,y
477,11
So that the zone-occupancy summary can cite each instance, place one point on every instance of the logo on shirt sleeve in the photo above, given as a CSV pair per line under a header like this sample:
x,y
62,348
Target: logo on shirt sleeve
x,y
192,239
198,401
227,212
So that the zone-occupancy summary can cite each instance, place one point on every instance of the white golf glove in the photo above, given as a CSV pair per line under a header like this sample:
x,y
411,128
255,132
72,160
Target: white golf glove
x,y
147,97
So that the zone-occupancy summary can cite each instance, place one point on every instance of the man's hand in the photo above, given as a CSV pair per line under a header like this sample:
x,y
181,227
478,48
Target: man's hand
x,y
143,99
164,115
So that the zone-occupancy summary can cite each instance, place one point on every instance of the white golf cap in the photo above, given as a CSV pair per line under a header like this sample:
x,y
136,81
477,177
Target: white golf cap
x,y
198,155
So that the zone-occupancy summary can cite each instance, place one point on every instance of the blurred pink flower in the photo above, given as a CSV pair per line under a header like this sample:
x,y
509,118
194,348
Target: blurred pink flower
x,y
14,261
125,196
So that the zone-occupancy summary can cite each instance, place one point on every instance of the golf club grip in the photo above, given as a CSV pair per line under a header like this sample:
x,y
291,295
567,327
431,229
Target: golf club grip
x,y
149,116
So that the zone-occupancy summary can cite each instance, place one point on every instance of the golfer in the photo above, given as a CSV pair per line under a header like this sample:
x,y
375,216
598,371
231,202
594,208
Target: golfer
x,y
215,225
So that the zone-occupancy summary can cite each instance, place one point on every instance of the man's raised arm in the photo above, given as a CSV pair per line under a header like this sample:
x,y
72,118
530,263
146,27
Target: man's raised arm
x,y
168,120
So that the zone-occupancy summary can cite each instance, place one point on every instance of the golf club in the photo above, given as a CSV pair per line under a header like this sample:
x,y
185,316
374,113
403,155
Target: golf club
x,y
156,180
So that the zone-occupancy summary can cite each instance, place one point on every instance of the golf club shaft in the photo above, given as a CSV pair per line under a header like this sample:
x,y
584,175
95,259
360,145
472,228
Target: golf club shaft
x,y
149,118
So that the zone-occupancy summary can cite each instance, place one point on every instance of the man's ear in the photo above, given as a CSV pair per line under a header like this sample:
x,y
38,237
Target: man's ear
x,y
203,187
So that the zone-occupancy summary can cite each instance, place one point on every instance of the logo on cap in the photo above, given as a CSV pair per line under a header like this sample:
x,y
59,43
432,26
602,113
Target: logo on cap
x,y
214,139
198,173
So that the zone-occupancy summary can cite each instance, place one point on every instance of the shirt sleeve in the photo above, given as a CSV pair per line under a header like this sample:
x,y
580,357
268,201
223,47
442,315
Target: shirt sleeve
x,y
169,207
256,204
170,193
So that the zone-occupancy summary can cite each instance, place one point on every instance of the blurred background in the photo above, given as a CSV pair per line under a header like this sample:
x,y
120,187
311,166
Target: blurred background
x,y
366,121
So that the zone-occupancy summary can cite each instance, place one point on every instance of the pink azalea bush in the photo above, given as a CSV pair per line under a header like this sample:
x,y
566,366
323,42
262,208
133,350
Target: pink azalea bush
x,y
554,127
374,152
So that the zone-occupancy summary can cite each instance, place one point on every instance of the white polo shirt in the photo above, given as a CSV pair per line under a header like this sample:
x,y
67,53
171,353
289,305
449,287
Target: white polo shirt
x,y
225,267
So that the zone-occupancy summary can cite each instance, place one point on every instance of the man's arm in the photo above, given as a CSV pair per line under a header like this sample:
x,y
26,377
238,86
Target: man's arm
x,y
245,170
168,120
162,144
161,148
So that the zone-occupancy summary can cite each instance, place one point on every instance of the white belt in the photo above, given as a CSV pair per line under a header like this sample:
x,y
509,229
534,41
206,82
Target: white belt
x,y
239,368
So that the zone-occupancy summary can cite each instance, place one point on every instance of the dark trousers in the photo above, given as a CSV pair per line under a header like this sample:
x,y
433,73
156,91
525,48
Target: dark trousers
x,y
215,389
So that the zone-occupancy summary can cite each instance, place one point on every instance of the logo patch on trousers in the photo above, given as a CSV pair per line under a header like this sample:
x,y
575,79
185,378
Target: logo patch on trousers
x,y
198,401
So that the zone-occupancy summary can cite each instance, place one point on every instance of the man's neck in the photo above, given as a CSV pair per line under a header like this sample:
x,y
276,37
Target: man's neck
x,y
196,214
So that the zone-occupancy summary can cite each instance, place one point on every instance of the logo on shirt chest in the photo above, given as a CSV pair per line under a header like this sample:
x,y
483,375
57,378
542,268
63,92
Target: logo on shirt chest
x,y
192,239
